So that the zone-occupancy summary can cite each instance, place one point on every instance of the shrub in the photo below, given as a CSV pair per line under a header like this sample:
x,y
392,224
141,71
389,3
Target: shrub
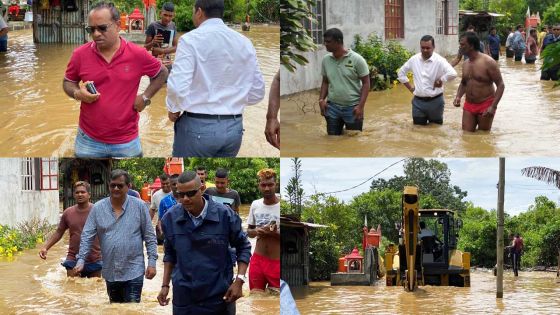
x,y
25,236
383,59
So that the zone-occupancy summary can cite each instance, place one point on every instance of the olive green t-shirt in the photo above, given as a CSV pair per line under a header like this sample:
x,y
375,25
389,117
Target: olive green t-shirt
x,y
344,77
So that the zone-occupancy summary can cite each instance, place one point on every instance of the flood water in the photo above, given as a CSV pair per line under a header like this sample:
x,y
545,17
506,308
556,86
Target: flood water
x,y
38,119
530,293
30,285
526,123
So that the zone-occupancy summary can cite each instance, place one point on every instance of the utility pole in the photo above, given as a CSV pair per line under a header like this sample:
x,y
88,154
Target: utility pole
x,y
500,232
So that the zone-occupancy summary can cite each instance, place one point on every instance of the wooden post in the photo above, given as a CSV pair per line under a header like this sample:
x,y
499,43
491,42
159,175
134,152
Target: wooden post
x,y
500,233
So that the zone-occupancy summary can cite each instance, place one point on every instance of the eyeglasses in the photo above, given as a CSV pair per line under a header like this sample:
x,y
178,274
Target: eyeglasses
x,y
190,193
101,28
119,186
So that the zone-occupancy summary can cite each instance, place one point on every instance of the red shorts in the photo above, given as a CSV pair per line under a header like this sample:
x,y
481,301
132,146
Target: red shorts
x,y
263,270
478,108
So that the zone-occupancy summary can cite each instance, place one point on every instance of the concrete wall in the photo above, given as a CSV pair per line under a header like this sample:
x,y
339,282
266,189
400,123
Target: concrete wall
x,y
419,20
18,206
364,17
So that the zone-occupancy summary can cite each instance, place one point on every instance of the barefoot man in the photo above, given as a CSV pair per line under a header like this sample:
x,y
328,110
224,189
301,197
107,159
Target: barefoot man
x,y
480,74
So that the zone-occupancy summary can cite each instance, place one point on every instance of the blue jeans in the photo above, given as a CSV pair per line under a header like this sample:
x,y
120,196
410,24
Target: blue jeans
x,y
4,44
86,147
125,291
519,54
89,268
207,137
338,116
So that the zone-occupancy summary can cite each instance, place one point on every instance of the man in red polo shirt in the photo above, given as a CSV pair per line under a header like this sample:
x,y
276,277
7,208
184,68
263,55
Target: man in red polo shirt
x,y
109,117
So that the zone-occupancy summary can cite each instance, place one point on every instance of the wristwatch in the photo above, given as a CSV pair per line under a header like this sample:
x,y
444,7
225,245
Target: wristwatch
x,y
147,101
241,277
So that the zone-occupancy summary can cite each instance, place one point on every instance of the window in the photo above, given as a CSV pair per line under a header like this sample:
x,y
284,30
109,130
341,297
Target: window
x,y
447,17
317,28
49,174
27,182
39,174
394,19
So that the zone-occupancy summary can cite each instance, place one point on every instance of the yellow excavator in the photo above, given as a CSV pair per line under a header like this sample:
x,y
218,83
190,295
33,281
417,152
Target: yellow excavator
x,y
427,253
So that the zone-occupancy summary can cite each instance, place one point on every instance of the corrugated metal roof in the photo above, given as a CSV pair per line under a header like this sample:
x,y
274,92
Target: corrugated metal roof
x,y
291,222
482,13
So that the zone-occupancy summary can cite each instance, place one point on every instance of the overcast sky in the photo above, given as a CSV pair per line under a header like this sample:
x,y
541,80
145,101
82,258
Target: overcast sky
x,y
478,176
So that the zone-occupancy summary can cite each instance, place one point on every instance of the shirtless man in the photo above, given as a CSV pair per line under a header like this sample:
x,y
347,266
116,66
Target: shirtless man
x,y
479,75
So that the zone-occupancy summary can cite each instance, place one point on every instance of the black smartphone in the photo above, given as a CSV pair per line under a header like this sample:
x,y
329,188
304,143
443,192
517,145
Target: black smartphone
x,y
91,88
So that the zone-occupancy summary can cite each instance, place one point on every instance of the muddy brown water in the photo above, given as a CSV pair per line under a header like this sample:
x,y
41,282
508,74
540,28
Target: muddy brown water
x,y
526,123
30,285
530,293
38,119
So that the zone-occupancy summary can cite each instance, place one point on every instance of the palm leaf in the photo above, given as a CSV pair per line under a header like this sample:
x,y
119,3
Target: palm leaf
x,y
544,174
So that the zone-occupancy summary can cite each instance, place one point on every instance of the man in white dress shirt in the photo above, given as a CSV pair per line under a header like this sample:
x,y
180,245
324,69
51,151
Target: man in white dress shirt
x,y
215,75
430,71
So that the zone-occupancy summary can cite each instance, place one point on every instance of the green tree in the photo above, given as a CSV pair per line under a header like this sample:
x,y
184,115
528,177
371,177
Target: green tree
x,y
475,5
541,6
242,172
552,14
265,10
478,235
294,190
514,13
293,35
381,207
141,170
125,6
550,246
324,251
183,13
538,226
327,244
432,178
235,10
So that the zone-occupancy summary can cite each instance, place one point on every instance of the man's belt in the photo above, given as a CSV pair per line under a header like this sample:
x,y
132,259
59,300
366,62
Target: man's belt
x,y
428,98
208,116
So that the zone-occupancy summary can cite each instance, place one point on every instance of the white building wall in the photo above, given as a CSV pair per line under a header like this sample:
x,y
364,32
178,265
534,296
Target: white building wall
x,y
18,206
364,17
419,20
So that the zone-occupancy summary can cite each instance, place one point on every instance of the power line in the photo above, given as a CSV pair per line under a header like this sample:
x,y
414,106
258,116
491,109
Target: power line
x,y
365,181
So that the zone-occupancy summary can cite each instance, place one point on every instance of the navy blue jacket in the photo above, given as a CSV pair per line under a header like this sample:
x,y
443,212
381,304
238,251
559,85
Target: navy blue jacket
x,y
548,39
203,268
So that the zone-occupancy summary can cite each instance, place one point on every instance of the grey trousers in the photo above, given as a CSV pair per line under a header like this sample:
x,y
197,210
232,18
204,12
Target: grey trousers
x,y
424,112
206,137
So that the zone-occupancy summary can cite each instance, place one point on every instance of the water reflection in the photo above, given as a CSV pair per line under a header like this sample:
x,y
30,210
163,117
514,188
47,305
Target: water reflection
x,y
533,292
38,119
31,285
529,110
